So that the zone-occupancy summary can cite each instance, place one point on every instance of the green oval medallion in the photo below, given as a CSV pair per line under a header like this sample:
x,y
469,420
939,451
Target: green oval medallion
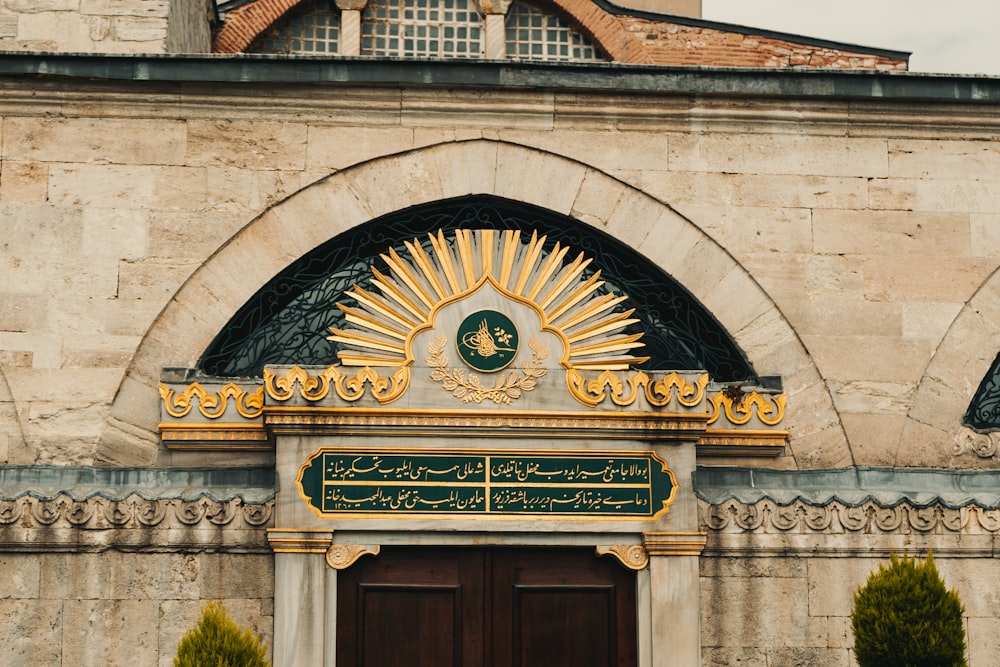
x,y
487,341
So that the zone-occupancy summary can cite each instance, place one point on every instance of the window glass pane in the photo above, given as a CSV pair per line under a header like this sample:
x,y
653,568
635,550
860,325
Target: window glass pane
x,y
315,32
425,20
534,35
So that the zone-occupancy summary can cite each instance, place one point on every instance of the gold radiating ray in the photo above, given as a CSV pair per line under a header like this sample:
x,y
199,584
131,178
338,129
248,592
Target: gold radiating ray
x,y
511,242
595,307
551,264
581,292
528,263
463,239
421,281
358,340
392,291
355,359
424,262
612,323
402,270
571,273
613,345
487,248
362,320
444,259
373,302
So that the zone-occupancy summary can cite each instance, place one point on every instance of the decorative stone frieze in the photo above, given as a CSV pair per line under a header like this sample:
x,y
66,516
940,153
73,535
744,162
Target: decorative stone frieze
x,y
133,523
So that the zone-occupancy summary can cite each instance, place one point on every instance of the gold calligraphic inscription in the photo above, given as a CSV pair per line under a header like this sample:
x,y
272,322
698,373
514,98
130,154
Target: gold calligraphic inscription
x,y
470,389
487,341
342,483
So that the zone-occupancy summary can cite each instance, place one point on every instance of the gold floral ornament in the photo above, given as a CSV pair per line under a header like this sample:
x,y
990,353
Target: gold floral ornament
x,y
347,387
739,407
212,404
470,389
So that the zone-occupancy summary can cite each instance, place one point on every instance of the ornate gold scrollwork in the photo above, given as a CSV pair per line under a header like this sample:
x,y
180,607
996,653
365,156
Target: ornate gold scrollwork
x,y
657,392
632,556
508,386
347,387
212,404
741,407
342,556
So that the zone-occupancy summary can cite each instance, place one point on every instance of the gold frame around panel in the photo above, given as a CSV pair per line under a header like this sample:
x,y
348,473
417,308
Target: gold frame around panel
x,y
457,516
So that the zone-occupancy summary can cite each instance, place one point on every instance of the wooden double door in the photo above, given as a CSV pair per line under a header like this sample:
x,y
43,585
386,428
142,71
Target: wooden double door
x,y
486,607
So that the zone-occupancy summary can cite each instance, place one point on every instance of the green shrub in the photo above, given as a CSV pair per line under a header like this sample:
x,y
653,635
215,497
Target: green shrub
x,y
217,641
905,617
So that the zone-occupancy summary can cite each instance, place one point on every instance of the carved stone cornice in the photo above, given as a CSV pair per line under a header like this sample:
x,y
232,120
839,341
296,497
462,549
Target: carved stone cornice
x,y
97,523
838,518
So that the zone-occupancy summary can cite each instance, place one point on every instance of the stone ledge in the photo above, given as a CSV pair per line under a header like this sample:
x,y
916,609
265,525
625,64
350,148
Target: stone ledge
x,y
83,483
851,487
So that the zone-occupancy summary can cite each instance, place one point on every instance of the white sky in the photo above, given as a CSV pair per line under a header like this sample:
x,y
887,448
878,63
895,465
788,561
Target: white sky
x,y
944,36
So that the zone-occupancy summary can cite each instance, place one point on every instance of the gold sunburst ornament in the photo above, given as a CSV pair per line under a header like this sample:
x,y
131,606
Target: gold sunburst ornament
x,y
536,288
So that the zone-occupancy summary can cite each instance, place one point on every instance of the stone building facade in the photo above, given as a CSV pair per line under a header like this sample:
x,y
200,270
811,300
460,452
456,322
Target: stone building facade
x,y
810,256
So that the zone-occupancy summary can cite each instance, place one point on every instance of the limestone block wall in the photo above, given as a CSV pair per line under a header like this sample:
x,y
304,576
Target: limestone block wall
x,y
105,26
847,247
121,608
795,609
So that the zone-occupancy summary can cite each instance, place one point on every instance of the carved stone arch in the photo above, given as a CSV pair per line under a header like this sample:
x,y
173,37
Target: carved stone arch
x,y
933,435
351,197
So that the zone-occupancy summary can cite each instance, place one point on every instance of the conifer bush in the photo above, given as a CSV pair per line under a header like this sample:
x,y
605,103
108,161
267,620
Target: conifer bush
x,y
217,641
905,617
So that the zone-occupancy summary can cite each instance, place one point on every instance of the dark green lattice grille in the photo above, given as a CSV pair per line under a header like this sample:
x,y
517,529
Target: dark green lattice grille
x,y
288,320
984,410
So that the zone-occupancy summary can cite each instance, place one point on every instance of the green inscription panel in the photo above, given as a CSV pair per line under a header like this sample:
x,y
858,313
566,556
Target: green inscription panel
x,y
338,483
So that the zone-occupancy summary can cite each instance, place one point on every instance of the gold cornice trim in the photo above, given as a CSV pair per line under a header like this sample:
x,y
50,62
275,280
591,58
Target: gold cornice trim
x,y
665,543
738,442
250,436
286,540
613,425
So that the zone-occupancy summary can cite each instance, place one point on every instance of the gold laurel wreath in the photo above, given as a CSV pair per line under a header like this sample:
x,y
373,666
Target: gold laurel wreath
x,y
508,386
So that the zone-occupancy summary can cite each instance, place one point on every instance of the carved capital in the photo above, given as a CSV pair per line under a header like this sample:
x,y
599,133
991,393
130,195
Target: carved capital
x,y
346,5
674,544
632,556
342,556
494,6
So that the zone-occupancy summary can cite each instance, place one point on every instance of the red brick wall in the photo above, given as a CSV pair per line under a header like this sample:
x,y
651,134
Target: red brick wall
x,y
626,39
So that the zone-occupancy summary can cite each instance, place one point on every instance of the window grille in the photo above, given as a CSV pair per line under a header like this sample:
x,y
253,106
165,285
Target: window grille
x,y
316,32
288,320
534,35
422,29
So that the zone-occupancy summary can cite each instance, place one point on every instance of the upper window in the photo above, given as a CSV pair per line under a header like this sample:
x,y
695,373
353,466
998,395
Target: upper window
x,y
316,32
984,410
422,29
288,320
534,35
